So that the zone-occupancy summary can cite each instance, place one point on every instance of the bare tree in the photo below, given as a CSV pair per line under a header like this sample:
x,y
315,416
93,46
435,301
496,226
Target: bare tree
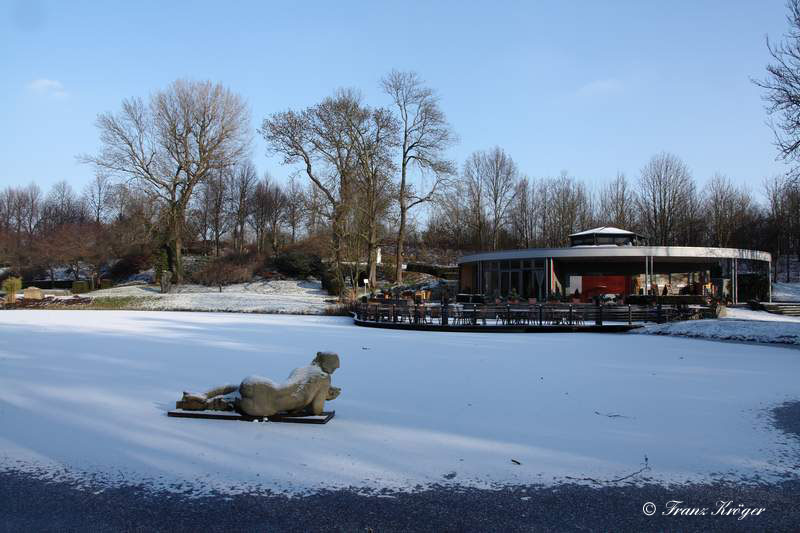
x,y
617,203
451,220
474,196
524,213
277,202
492,179
782,86
295,200
98,197
319,139
374,133
725,208
266,213
568,209
258,211
313,204
62,206
171,144
137,220
783,216
215,202
276,214
242,180
425,136
664,191
22,211
692,224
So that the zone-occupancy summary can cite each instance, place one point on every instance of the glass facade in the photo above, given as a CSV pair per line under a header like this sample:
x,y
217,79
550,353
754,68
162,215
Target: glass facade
x,y
501,278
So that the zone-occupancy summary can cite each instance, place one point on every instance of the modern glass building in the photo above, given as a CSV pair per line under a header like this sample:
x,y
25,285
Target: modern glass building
x,y
614,263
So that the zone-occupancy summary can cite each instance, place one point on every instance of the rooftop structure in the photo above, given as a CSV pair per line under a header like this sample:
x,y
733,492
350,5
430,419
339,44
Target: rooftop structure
x,y
606,235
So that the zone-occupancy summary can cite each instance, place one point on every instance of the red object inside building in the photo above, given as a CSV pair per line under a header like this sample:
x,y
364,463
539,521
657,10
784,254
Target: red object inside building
x,y
596,285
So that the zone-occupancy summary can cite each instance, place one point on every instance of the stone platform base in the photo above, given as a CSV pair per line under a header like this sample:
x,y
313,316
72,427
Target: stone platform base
x,y
324,418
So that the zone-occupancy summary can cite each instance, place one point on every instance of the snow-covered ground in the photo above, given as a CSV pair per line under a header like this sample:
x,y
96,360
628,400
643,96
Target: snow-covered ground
x,y
786,292
742,313
277,296
84,395
736,324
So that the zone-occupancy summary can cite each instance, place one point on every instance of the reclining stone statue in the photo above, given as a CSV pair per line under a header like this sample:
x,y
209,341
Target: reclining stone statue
x,y
303,394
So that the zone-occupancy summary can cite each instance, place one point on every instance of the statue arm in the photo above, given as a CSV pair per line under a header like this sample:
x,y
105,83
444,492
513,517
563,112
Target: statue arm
x,y
318,404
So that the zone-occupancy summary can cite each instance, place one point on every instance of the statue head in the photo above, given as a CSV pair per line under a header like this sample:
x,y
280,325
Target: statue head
x,y
327,361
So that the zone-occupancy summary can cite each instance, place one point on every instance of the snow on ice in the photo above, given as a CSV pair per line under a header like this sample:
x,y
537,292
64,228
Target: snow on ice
x,y
84,395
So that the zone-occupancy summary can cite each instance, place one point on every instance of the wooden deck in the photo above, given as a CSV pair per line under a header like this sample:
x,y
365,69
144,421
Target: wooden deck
x,y
500,328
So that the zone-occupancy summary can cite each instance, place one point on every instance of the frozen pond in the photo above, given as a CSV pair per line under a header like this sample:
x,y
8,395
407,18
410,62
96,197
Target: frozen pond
x,y
83,394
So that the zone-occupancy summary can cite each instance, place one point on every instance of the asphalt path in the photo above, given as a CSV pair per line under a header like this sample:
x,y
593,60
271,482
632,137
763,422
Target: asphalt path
x,y
30,504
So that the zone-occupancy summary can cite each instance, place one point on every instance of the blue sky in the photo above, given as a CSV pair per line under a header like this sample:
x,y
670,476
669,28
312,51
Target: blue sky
x,y
588,87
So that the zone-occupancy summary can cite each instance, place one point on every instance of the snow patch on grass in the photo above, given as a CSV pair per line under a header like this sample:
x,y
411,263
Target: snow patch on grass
x,y
740,325
261,296
786,292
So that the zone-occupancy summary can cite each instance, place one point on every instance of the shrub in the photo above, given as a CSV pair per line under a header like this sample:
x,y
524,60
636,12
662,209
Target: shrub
x,y
331,282
129,265
79,287
338,310
106,284
11,286
231,268
298,264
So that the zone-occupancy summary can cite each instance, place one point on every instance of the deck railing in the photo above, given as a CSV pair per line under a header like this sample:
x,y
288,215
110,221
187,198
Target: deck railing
x,y
520,314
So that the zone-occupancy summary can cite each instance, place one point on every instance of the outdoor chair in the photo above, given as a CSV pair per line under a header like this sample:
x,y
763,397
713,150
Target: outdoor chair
x,y
469,315
435,313
485,313
421,315
404,313
457,316
501,315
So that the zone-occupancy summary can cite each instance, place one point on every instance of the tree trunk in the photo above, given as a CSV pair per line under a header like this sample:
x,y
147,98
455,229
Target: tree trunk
x,y
401,230
398,254
372,256
176,261
336,241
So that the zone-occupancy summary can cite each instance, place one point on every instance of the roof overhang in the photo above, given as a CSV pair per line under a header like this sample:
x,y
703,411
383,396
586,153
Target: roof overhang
x,y
617,253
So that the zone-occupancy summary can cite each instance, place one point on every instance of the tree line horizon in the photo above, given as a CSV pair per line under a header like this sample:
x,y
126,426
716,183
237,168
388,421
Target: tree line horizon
x,y
177,168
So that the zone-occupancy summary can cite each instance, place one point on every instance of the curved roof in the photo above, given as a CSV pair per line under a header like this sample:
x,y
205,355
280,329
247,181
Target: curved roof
x,y
603,230
613,252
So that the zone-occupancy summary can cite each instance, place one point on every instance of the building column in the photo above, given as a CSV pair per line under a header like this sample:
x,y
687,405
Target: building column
x,y
547,281
653,273
769,279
